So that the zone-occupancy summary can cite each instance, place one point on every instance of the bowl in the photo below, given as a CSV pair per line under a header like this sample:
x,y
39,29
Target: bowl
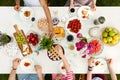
x,y
110,36
95,47
73,25
26,14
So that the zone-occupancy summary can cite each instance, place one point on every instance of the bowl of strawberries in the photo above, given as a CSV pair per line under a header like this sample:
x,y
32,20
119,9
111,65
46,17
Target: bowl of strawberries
x,y
33,38
73,25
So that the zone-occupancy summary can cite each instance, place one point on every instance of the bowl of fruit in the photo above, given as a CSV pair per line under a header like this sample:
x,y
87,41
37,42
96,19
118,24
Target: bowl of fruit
x,y
33,38
94,47
110,36
73,25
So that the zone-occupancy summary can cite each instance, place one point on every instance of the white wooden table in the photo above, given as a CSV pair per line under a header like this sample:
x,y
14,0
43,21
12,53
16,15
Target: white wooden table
x,y
9,17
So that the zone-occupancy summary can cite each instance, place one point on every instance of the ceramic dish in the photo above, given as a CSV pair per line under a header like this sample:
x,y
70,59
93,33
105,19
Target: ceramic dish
x,y
59,33
100,65
73,25
26,14
94,31
27,64
84,12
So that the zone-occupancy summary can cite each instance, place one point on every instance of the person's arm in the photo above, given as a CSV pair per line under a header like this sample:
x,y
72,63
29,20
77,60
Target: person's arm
x,y
17,2
64,60
112,73
17,5
93,6
71,3
38,69
48,15
12,75
69,73
66,64
90,68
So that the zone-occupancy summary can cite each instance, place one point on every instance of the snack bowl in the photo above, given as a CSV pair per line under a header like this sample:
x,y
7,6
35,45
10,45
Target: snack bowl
x,y
26,14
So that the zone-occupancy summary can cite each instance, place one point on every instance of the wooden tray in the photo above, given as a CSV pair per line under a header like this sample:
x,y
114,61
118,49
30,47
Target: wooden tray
x,y
29,50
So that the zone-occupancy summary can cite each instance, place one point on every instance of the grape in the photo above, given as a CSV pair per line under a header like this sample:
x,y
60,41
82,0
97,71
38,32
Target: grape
x,y
20,39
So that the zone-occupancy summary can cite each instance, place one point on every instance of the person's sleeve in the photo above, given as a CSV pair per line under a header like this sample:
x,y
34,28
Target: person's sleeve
x,y
70,76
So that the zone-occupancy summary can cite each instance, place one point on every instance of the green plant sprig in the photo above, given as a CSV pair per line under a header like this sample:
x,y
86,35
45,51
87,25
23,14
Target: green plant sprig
x,y
46,43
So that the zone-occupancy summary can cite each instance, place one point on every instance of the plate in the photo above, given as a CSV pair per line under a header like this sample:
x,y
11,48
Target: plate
x,y
27,64
94,32
73,28
84,12
26,13
100,65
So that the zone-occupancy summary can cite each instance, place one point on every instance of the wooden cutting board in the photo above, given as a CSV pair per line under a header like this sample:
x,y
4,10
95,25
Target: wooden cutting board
x,y
28,50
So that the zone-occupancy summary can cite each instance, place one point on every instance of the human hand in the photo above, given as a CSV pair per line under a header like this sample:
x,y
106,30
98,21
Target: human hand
x,y
17,7
51,33
90,61
38,69
59,50
93,7
16,62
109,61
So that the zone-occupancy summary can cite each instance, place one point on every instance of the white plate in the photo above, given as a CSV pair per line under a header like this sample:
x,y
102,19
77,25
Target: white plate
x,y
87,8
27,68
68,30
94,32
23,17
101,67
